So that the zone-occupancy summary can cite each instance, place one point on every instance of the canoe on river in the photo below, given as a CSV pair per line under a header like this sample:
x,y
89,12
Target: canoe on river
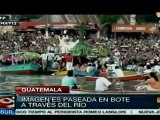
x,y
126,78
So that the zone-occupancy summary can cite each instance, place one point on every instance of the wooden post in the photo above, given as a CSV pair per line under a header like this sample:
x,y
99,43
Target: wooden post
x,y
24,61
46,28
115,35
61,31
12,59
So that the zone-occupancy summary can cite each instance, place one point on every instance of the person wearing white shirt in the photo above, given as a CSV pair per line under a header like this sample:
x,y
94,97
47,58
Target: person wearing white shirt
x,y
57,58
55,65
148,70
157,59
145,67
118,72
50,48
50,59
102,84
89,68
44,60
107,59
103,61
117,53
157,68
112,66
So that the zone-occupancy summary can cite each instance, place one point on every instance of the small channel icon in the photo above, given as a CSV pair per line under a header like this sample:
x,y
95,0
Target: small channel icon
x,y
7,101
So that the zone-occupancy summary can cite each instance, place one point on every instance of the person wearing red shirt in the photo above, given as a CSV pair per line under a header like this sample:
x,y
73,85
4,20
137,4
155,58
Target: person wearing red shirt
x,y
69,61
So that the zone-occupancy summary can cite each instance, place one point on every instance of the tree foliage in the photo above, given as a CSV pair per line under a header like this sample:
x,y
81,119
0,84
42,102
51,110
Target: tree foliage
x,y
147,18
82,49
108,18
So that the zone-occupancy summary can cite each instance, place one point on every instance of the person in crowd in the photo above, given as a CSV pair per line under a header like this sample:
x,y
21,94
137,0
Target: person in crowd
x,y
147,64
62,67
70,81
148,69
96,63
140,69
50,59
112,66
93,70
83,67
151,83
104,60
89,68
55,65
44,60
107,68
156,67
118,72
102,70
103,84
108,59
99,68
69,61
57,58
62,63
94,67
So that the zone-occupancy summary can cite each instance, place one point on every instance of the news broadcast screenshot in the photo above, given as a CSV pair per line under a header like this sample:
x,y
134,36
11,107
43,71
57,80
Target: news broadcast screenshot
x,y
80,64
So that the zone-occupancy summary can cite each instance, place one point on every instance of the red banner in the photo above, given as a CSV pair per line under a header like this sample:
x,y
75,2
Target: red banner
x,y
134,28
42,89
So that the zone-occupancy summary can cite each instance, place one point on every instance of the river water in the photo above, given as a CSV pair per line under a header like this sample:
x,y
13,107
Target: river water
x,y
37,80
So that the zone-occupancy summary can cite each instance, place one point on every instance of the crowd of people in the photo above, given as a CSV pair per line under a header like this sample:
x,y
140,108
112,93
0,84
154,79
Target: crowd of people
x,y
142,52
35,42
12,42
136,50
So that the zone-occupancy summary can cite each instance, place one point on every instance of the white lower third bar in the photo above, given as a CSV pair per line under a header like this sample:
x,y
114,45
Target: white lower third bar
x,y
73,112
146,112
87,112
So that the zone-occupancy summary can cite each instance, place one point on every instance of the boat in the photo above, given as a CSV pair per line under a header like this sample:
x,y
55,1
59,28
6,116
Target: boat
x,y
112,92
76,73
126,78
19,69
2,79
23,69
83,73
60,73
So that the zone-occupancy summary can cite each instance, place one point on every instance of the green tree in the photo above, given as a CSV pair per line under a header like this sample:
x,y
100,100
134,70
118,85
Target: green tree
x,y
108,18
147,19
82,49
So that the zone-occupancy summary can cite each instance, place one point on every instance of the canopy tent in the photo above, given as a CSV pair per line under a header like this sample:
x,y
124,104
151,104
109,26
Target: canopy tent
x,y
68,19
59,21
